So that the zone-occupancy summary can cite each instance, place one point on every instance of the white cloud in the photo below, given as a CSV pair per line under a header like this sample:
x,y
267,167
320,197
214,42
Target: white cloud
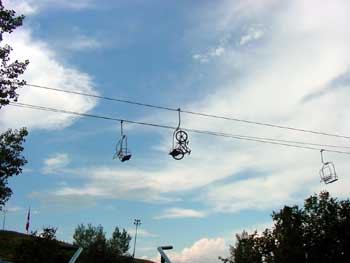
x,y
209,249
141,232
55,163
207,56
180,213
45,69
259,228
84,43
13,209
21,7
203,250
147,186
287,79
252,34
63,202
297,58
31,7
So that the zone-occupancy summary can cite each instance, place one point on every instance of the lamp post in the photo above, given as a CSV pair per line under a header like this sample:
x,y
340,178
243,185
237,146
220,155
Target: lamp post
x,y
137,223
4,219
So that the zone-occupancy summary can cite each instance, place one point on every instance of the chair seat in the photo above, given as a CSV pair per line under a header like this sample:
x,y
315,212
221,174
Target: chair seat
x,y
126,158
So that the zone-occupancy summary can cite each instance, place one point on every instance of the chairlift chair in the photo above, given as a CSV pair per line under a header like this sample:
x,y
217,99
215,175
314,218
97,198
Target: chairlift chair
x,y
121,150
180,142
327,172
177,154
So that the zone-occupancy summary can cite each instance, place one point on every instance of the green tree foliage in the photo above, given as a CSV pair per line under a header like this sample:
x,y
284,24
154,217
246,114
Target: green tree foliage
x,y
119,244
318,232
288,233
41,248
96,246
9,71
11,159
245,250
86,236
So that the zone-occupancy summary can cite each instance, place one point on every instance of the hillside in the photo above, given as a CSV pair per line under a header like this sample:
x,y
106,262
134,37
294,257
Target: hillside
x,y
9,240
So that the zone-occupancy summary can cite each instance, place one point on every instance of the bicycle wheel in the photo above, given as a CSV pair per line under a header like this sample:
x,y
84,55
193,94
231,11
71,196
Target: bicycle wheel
x,y
181,136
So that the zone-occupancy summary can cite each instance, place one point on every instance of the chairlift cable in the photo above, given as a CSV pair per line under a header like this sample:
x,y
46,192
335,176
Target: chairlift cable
x,y
191,112
224,134
218,134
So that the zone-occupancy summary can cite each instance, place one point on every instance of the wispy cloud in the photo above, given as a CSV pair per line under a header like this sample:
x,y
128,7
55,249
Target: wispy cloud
x,y
84,43
211,54
14,209
63,202
180,213
297,58
45,69
31,7
56,162
253,33
142,232
22,7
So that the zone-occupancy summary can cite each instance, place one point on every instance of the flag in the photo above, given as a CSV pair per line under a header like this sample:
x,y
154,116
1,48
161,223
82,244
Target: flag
x,y
28,219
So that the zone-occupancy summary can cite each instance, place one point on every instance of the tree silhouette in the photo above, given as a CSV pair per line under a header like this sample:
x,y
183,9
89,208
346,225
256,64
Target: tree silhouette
x,y
317,232
97,248
11,161
9,72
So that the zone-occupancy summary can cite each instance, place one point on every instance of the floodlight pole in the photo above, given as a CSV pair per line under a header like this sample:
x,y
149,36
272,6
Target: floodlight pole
x,y
4,219
137,223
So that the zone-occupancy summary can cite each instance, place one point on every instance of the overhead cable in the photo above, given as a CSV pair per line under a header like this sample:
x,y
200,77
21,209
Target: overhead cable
x,y
191,112
213,133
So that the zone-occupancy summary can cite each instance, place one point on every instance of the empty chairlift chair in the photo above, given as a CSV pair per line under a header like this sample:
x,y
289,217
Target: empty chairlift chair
x,y
121,150
327,172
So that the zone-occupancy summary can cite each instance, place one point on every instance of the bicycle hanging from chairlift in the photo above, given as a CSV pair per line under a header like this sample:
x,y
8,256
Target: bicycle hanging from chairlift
x,y
121,150
180,142
327,172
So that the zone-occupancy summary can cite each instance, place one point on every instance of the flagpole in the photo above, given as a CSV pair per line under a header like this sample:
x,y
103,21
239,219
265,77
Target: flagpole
x,y
28,221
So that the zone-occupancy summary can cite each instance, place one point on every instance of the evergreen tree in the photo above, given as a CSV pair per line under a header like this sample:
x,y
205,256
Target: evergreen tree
x,y
119,244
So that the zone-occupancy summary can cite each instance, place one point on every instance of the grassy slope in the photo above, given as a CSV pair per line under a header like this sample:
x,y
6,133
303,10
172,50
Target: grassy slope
x,y
10,239
143,261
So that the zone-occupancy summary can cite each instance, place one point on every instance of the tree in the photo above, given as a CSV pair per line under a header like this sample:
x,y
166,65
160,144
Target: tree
x,y
97,248
318,232
9,72
41,248
327,229
119,244
49,233
288,234
246,249
85,236
11,161
93,240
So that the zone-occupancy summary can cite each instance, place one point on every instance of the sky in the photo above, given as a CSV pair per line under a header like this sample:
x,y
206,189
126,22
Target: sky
x,y
271,61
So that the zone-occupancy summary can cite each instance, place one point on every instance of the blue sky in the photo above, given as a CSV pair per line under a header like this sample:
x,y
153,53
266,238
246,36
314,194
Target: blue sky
x,y
271,61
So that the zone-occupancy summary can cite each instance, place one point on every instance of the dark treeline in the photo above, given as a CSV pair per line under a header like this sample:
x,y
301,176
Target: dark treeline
x,y
317,232
97,248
